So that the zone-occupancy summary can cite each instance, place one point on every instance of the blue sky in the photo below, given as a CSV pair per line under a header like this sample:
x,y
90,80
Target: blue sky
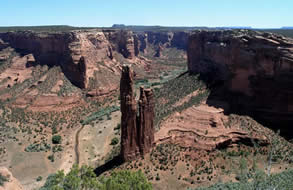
x,y
255,13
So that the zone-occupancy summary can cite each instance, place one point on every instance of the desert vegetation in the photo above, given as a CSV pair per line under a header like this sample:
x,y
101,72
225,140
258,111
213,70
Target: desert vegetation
x,y
3,179
176,89
84,178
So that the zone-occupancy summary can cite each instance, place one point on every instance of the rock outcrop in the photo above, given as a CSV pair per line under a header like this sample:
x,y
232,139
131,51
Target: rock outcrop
x,y
146,120
251,70
129,144
3,44
205,127
90,59
161,40
122,41
79,53
137,128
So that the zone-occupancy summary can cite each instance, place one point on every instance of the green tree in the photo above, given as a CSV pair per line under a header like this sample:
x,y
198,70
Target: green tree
x,y
56,139
84,178
125,180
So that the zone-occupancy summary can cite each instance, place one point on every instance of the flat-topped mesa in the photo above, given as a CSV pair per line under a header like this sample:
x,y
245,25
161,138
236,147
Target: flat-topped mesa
x,y
146,120
137,130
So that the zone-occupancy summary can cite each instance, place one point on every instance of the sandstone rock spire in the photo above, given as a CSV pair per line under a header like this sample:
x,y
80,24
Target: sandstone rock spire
x,y
129,147
137,128
146,120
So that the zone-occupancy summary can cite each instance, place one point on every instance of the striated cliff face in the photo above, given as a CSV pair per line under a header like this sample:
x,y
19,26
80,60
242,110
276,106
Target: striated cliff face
x,y
161,40
146,120
129,144
122,41
79,53
137,131
253,71
83,54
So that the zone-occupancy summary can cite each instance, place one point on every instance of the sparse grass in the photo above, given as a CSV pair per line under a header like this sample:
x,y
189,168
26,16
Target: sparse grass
x,y
99,114
38,147
67,87
51,79
281,181
174,90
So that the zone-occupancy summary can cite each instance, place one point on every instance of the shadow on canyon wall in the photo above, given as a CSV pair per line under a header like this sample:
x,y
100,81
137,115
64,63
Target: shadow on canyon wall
x,y
269,105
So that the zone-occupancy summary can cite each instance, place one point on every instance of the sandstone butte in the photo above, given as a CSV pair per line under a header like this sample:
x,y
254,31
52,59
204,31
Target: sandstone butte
x,y
137,125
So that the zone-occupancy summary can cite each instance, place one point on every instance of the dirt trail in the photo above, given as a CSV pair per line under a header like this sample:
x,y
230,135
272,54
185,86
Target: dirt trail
x,y
76,147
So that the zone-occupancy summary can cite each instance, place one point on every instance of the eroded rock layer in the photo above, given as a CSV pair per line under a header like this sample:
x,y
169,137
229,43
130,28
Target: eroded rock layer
x,y
253,71
84,55
137,129
81,54
146,120
161,39
129,144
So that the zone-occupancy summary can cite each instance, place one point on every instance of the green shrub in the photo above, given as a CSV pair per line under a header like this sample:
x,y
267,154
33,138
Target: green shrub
x,y
3,179
51,157
84,178
56,139
57,148
38,147
100,114
39,178
118,127
260,181
114,141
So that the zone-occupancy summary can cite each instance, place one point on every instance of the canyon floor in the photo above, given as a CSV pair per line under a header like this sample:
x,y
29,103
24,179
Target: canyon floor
x,y
198,144
38,102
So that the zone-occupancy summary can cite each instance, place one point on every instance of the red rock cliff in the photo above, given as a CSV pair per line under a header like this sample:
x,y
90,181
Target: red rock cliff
x,y
253,71
161,39
137,131
80,54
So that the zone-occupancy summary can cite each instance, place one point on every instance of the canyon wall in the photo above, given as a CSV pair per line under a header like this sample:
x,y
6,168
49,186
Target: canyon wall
x,y
86,55
137,125
79,53
253,71
160,40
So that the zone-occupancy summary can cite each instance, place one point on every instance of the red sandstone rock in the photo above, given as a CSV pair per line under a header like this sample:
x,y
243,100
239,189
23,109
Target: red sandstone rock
x,y
79,53
129,146
97,47
159,51
251,70
137,132
146,120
